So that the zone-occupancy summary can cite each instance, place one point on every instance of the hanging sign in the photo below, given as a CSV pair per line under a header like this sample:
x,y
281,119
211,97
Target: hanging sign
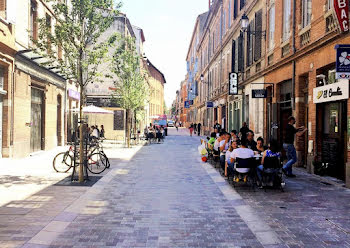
x,y
342,61
332,92
233,83
187,104
341,8
210,104
259,93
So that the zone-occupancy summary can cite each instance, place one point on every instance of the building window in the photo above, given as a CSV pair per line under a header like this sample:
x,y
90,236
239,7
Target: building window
x,y
229,14
2,77
241,4
33,23
235,8
306,12
48,26
3,9
286,19
272,27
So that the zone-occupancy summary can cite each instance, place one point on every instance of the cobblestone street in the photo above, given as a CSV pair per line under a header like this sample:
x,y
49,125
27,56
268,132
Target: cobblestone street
x,y
164,196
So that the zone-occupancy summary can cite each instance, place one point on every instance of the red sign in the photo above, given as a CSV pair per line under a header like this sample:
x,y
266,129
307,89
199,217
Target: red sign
x,y
341,8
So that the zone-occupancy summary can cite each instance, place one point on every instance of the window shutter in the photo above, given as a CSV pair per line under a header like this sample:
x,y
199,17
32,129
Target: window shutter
x,y
233,56
248,45
235,8
240,53
258,27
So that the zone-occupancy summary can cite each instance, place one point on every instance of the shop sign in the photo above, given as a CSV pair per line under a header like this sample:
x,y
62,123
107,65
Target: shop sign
x,y
233,83
332,92
73,94
343,61
259,93
210,104
187,104
341,8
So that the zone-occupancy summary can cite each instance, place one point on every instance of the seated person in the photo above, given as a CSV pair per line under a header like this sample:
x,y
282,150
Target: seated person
x,y
228,164
260,145
234,136
224,146
211,141
217,142
251,144
273,151
242,152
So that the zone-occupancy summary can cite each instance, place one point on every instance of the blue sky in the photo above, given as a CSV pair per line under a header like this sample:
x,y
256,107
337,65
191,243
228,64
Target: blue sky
x,y
168,27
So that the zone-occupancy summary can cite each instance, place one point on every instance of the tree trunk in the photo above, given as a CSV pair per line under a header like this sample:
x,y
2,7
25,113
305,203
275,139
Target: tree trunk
x,y
81,141
128,127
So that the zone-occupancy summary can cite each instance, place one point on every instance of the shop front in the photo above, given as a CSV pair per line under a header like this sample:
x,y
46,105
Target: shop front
x,y
331,125
235,113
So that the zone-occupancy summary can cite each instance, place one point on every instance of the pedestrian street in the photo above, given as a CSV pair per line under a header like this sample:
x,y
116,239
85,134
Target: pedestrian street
x,y
165,196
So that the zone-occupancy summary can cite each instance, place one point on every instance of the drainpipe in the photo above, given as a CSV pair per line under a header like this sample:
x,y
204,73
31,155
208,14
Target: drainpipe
x,y
294,50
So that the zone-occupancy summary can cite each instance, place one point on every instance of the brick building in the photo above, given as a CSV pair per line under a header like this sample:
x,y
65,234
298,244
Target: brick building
x,y
301,59
286,48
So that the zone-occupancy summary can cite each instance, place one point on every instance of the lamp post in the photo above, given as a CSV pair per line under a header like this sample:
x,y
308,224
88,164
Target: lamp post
x,y
244,27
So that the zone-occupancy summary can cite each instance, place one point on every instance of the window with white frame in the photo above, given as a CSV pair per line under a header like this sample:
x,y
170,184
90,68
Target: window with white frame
x,y
272,26
306,13
286,19
329,4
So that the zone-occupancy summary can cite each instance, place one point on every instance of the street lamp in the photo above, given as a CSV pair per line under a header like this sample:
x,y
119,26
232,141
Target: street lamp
x,y
244,22
244,27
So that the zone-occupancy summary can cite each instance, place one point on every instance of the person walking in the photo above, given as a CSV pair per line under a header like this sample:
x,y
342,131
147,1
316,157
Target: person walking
x,y
195,128
177,126
199,125
288,145
191,129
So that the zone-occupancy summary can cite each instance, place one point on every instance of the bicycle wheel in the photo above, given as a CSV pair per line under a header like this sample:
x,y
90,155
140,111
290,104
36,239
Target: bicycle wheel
x,y
62,162
97,163
108,164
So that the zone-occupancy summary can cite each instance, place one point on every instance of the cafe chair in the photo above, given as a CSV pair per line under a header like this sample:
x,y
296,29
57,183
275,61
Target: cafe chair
x,y
246,163
272,172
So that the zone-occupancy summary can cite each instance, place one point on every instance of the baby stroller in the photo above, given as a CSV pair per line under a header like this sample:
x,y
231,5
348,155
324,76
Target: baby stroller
x,y
272,173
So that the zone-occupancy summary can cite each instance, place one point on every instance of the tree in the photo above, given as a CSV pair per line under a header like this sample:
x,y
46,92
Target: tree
x,y
76,31
131,86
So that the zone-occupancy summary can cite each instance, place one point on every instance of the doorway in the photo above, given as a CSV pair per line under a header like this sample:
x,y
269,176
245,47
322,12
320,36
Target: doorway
x,y
59,120
37,125
333,141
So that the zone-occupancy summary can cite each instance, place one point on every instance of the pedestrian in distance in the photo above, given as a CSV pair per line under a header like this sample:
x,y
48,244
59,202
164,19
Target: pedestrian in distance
x,y
288,145
191,129
102,132
177,126
199,125
195,128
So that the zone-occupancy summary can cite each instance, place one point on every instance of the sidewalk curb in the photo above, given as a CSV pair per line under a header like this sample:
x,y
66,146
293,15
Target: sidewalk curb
x,y
263,233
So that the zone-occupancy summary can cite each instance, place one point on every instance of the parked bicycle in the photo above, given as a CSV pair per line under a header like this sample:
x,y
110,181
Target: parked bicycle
x,y
97,161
